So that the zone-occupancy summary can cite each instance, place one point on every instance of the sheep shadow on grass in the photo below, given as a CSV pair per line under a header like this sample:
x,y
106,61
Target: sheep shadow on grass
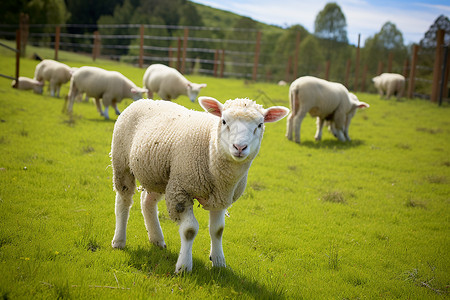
x,y
332,144
161,262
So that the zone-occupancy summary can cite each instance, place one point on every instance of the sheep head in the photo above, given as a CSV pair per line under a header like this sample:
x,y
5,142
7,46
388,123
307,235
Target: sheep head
x,y
193,89
241,126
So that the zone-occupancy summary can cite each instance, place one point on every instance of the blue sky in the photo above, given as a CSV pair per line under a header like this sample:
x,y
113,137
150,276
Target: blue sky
x,y
366,17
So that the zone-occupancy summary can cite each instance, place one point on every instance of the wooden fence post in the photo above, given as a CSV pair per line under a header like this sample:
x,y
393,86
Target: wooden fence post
x,y
380,68
437,64
297,49
57,37
347,72
24,30
355,84
222,63
256,61
412,73
179,55
18,44
185,40
216,61
405,68
96,49
141,47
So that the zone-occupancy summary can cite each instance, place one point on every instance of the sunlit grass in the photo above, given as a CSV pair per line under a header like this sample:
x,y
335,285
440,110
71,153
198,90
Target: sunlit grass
x,y
328,220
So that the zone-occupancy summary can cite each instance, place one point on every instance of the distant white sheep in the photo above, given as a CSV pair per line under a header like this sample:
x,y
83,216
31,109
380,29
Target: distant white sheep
x,y
168,83
110,86
185,155
328,101
25,83
55,73
391,84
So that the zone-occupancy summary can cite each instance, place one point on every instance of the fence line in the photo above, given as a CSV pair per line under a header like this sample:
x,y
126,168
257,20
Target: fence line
x,y
216,56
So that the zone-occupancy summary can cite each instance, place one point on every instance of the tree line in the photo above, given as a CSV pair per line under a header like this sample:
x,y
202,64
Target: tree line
x,y
328,42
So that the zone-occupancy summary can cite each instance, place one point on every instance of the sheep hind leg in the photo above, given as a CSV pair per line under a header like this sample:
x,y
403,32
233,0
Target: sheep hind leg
x,y
122,210
149,207
216,226
319,123
188,231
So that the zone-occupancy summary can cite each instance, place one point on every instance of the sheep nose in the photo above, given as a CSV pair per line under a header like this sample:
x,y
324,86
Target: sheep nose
x,y
240,148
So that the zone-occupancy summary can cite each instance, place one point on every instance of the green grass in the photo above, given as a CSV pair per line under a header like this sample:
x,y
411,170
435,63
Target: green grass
x,y
329,220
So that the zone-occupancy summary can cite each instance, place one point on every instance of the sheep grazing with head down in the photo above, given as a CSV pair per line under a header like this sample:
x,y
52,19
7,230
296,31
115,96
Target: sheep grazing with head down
x,y
391,84
110,86
185,155
168,83
328,101
25,83
55,73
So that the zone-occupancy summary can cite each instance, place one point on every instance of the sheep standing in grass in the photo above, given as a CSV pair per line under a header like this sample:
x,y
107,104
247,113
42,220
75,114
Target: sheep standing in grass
x,y
185,155
328,101
110,86
55,73
168,83
25,83
390,83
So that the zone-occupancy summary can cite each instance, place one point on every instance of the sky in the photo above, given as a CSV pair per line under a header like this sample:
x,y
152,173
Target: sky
x,y
366,17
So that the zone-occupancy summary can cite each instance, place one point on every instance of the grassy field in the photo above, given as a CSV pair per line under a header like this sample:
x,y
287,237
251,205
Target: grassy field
x,y
330,220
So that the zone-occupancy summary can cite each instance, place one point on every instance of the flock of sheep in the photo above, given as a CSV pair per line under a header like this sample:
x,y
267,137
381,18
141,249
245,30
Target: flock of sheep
x,y
187,155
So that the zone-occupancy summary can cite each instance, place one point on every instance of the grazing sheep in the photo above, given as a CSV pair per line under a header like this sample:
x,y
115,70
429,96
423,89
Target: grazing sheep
x,y
110,86
390,83
282,83
185,155
328,101
25,83
55,73
168,83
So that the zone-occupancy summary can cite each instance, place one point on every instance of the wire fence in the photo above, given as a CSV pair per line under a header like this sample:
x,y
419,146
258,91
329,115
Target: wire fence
x,y
220,52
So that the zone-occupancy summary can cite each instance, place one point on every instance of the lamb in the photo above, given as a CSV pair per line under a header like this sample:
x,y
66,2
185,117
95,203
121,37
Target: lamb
x,y
110,86
55,73
25,83
168,83
185,155
390,83
328,101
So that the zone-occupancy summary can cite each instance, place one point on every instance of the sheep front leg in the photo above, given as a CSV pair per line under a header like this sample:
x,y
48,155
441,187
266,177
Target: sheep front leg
x,y
149,206
216,226
114,104
188,231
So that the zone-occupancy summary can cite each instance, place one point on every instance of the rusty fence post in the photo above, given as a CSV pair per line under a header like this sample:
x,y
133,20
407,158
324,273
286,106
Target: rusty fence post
x,y
412,73
437,64
256,61
18,44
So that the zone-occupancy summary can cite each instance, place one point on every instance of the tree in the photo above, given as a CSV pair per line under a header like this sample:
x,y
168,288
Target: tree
x,y
429,39
330,24
378,48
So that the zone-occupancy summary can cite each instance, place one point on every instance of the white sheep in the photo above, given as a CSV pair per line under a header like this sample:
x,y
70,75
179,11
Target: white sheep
x,y
168,83
185,155
25,83
110,86
55,73
391,84
328,101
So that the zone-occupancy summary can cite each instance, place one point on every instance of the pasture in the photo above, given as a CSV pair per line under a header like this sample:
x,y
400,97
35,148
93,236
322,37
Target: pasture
x,y
320,220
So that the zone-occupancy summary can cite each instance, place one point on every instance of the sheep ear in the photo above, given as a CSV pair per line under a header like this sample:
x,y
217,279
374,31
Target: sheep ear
x,y
211,105
363,105
275,113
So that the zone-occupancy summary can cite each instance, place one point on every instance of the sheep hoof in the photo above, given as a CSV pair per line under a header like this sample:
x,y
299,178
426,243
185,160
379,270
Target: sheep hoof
x,y
118,244
218,261
159,244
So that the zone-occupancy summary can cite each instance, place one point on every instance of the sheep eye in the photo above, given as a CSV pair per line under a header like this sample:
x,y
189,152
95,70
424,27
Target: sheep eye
x,y
223,122
260,125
